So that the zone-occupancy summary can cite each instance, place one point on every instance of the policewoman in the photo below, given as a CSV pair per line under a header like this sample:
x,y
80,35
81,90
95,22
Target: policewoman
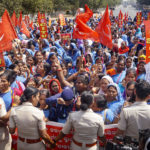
x,y
86,124
30,122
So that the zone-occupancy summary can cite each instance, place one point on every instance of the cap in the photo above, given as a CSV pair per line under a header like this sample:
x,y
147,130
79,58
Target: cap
x,y
67,94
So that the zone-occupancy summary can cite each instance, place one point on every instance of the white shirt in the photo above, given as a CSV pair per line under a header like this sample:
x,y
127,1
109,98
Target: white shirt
x,y
28,119
2,113
2,108
87,125
133,118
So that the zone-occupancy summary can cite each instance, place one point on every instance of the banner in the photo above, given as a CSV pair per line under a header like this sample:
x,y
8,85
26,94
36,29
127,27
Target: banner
x,y
147,27
43,26
147,68
65,37
148,16
139,18
49,22
53,129
96,16
62,20
2,61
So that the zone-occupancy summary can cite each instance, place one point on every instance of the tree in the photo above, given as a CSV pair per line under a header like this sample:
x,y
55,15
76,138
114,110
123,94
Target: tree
x,y
143,2
73,5
48,6
10,5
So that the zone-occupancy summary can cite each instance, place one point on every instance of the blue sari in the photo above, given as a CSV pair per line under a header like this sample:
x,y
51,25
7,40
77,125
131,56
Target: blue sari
x,y
116,105
119,77
141,76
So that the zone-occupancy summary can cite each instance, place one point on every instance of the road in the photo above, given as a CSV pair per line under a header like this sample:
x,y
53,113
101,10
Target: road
x,y
131,10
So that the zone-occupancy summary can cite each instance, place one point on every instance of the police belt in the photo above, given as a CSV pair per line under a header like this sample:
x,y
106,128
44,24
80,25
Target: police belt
x,y
87,145
30,141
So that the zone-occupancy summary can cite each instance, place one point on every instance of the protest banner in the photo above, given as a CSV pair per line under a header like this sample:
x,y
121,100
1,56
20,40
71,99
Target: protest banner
x,y
49,22
43,26
65,37
147,68
147,31
139,18
53,129
62,20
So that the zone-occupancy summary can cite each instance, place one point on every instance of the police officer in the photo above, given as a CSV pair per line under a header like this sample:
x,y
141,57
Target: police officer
x,y
136,116
5,137
87,126
30,122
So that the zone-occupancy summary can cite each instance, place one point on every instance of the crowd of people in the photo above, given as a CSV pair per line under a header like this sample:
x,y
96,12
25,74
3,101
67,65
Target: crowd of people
x,y
80,83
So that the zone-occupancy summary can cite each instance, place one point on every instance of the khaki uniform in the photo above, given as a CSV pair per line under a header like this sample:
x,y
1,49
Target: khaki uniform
x,y
87,125
5,137
133,118
29,120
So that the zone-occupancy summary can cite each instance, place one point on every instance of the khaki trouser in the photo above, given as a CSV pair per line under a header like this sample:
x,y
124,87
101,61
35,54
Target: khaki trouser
x,y
5,139
26,146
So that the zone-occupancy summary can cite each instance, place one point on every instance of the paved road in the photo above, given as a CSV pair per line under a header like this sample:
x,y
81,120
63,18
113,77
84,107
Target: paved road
x,y
131,10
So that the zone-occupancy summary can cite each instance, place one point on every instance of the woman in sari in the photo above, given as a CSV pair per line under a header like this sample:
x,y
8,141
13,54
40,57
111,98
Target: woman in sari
x,y
114,98
118,73
54,87
141,72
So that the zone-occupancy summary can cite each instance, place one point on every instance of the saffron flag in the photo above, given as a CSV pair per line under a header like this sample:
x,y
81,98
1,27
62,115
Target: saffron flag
x,y
120,21
27,20
7,33
147,27
20,19
104,30
31,25
84,17
82,31
125,17
111,13
24,29
14,19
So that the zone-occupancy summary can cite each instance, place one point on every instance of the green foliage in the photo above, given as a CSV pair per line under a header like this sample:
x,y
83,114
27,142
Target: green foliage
x,y
49,6
10,5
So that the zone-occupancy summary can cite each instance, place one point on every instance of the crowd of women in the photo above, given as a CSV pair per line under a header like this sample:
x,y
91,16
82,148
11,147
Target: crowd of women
x,y
44,79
